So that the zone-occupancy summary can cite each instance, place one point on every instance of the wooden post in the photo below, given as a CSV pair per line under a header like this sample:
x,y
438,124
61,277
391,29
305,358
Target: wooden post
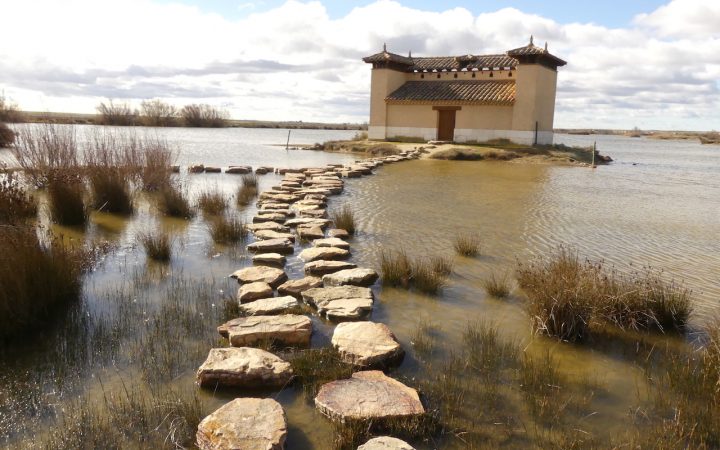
x,y
536,134
287,144
593,154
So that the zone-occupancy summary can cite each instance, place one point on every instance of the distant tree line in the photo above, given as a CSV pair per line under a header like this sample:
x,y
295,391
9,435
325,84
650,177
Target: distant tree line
x,y
157,113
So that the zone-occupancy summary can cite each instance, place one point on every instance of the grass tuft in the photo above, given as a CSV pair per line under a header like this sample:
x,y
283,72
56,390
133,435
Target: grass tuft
x,y
16,205
248,190
66,194
227,230
497,286
344,218
317,366
173,202
395,268
441,265
212,201
158,245
425,278
467,244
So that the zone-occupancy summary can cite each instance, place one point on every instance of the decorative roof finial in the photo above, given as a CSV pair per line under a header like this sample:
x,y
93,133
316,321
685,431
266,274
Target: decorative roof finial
x,y
384,47
531,39
546,46
409,53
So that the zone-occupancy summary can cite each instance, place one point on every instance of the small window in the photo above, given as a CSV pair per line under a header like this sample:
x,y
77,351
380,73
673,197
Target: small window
x,y
422,75
473,74
438,75
455,75
491,74
510,74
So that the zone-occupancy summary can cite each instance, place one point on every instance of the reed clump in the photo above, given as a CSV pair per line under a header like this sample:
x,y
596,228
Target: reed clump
x,y
7,136
44,149
212,201
566,295
497,285
173,202
317,366
427,275
441,265
395,268
425,278
36,278
16,205
157,245
344,218
228,230
248,190
66,193
157,159
467,244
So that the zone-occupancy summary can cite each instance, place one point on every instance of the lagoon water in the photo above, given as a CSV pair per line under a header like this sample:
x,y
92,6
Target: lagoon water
x,y
657,205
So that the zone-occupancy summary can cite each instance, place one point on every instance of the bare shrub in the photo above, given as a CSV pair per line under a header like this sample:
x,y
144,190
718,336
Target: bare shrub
x,y
16,205
7,136
112,113
9,111
157,113
204,116
44,149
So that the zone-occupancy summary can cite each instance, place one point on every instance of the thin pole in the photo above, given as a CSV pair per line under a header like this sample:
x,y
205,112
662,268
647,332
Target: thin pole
x,y
287,144
593,153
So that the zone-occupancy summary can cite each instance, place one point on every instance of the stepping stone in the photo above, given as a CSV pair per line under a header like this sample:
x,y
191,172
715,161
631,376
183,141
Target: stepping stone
x,y
354,277
287,329
310,202
338,233
275,206
323,267
319,213
277,197
269,259
244,423
367,344
368,395
238,170
209,169
253,291
297,287
341,302
270,275
274,226
272,246
271,306
272,217
331,242
326,253
197,168
386,443
322,223
244,367
271,234
316,197
310,232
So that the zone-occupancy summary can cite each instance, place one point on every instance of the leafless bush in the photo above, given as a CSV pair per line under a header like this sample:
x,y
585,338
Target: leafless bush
x,y
7,136
44,149
112,113
157,113
203,115
9,111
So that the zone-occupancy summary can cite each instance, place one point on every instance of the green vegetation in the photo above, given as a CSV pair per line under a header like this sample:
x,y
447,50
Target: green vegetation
x,y
395,268
566,295
157,245
467,244
317,366
226,230
427,275
344,218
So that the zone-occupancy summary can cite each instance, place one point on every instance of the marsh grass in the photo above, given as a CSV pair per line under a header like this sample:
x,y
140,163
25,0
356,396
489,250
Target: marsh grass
x,y
426,275
173,202
425,278
111,190
248,190
36,278
212,201
441,265
227,230
43,149
66,197
16,205
497,285
157,159
567,295
467,244
7,136
395,268
157,245
317,366
424,339
344,218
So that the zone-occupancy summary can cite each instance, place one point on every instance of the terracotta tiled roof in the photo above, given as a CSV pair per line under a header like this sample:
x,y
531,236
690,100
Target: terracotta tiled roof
x,y
464,92
533,50
386,56
468,62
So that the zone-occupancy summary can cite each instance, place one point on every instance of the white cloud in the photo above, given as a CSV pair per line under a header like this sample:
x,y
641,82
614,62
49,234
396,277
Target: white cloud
x,y
295,62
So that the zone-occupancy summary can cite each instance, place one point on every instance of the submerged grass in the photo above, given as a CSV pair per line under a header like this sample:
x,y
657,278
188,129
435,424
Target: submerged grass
x,y
173,202
228,230
467,244
344,218
317,366
248,190
497,286
66,194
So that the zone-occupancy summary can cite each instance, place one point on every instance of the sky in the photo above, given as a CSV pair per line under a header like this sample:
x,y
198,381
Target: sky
x,y
638,63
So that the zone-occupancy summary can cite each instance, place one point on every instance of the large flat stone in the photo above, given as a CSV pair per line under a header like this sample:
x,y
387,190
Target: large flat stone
x,y
368,395
323,267
269,259
288,329
338,233
244,423
271,306
355,277
310,232
307,221
272,234
270,275
272,246
297,287
253,291
341,302
367,344
244,367
386,443
323,253
274,226
331,242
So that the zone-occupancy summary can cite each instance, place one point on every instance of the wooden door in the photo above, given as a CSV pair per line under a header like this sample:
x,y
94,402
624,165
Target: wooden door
x,y
446,125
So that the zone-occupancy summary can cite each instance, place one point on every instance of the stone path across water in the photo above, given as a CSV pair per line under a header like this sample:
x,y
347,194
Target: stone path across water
x,y
291,211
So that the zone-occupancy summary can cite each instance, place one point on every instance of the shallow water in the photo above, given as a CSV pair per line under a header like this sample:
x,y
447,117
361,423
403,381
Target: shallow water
x,y
657,205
